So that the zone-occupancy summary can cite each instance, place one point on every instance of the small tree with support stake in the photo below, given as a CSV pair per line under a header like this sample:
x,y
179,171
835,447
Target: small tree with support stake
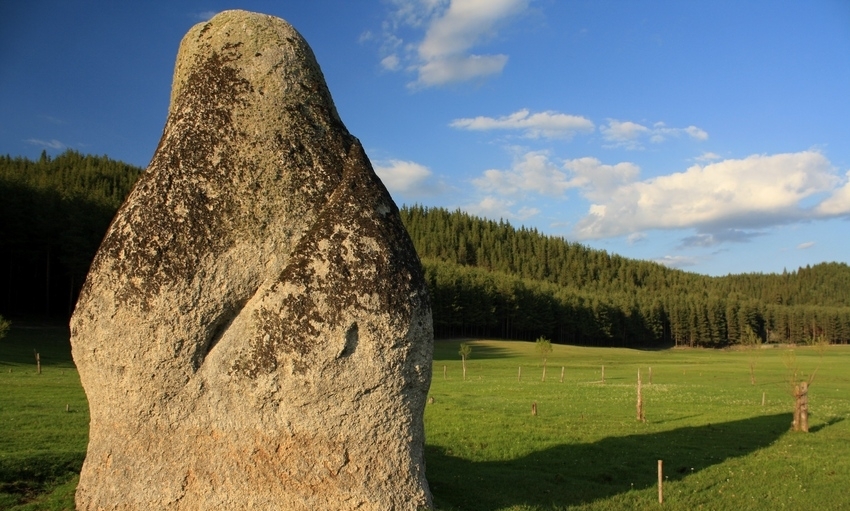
x,y
465,350
544,347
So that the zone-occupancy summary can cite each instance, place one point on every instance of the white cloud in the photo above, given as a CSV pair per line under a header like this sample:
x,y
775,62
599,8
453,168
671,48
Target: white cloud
x,y
47,144
452,28
629,135
531,173
728,197
205,15
408,178
623,133
804,246
534,172
542,124
838,203
598,180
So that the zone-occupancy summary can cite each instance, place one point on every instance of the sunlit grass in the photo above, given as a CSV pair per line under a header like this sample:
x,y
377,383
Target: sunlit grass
x,y
722,449
584,450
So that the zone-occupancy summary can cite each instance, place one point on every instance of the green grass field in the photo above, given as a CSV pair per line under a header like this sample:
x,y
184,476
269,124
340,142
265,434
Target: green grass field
x,y
721,448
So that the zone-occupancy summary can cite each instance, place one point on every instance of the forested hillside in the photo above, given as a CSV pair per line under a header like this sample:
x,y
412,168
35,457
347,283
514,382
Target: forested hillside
x,y
486,278
489,278
53,215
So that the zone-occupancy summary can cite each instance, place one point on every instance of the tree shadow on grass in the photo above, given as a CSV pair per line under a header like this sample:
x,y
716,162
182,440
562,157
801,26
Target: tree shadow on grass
x,y
829,422
447,350
23,477
573,474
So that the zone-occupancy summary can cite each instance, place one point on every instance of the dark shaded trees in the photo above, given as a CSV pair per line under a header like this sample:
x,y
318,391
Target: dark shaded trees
x,y
54,214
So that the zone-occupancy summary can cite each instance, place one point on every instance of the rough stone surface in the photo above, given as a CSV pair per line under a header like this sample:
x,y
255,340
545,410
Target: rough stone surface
x,y
255,331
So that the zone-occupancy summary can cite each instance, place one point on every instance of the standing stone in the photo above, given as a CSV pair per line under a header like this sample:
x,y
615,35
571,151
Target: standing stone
x,y
255,331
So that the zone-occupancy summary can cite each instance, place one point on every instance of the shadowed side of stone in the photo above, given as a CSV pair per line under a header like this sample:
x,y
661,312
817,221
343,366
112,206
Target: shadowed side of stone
x,y
255,330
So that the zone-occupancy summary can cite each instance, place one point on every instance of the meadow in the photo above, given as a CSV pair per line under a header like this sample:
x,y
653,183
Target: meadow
x,y
725,443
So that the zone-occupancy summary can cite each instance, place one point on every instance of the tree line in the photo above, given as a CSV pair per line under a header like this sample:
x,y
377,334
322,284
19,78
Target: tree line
x,y
54,214
487,278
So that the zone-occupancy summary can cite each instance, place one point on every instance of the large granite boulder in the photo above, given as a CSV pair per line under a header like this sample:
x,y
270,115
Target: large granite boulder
x,y
255,331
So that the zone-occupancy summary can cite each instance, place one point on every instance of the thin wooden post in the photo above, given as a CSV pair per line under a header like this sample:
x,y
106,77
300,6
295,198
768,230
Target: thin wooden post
x,y
650,377
603,374
519,374
660,482
640,415
444,372
67,408
762,398
38,362
562,374
534,409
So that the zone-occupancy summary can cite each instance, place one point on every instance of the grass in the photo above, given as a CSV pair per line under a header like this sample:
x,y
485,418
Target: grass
x,y
42,446
585,450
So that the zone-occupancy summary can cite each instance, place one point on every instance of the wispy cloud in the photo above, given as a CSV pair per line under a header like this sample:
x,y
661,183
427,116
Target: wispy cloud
x,y
707,157
47,144
452,29
533,125
678,261
205,15
53,120
494,207
631,135
804,246
721,236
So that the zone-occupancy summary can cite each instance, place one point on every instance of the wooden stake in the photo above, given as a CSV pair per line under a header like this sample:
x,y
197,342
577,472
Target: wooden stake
x,y
534,409
762,398
650,376
660,482
603,374
519,374
562,374
640,415
67,408
38,362
444,372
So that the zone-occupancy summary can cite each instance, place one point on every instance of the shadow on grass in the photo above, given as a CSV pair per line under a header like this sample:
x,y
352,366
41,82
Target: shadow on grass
x,y
24,477
568,475
447,350
830,422
52,342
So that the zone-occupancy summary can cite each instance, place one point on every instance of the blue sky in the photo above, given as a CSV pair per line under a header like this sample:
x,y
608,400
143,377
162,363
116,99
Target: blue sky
x,y
711,136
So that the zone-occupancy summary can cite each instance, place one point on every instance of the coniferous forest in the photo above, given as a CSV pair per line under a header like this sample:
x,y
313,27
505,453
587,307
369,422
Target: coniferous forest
x,y
486,278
